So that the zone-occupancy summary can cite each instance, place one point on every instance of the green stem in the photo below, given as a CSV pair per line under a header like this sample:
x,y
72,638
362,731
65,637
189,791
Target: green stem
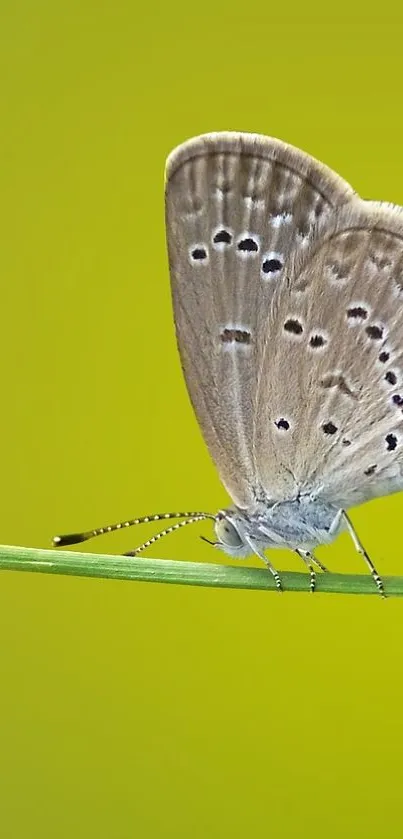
x,y
77,564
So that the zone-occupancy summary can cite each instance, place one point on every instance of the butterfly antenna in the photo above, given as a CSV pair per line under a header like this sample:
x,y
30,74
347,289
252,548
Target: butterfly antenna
x,y
76,538
171,529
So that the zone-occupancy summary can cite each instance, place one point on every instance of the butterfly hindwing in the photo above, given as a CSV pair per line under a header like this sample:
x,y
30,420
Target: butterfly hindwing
x,y
336,378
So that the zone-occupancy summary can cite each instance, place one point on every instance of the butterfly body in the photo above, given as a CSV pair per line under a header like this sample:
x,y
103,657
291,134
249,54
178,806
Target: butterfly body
x,y
300,523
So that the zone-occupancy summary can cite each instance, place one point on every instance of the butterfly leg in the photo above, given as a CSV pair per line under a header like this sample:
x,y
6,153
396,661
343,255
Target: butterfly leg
x,y
310,560
306,556
360,548
315,561
267,562
276,575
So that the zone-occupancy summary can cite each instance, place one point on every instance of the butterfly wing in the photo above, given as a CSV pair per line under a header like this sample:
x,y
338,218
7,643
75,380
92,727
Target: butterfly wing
x,y
237,205
333,364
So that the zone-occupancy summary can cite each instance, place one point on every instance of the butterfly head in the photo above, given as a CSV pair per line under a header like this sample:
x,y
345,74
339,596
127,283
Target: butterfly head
x,y
230,532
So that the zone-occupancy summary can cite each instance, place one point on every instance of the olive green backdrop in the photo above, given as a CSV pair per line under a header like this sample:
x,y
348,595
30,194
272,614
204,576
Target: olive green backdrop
x,y
141,710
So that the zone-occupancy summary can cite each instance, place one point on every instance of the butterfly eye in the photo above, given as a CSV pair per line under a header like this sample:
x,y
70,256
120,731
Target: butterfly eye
x,y
227,533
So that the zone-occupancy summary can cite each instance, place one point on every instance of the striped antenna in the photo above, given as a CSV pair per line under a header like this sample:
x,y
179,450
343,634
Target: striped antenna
x,y
191,520
75,538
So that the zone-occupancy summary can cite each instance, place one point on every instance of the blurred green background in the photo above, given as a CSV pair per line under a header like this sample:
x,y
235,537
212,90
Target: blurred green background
x,y
141,710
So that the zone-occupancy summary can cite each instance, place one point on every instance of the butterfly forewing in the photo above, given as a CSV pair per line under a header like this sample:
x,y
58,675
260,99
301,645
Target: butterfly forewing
x,y
237,207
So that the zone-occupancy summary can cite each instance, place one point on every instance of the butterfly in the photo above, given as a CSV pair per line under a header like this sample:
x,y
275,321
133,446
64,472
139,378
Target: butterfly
x,y
287,292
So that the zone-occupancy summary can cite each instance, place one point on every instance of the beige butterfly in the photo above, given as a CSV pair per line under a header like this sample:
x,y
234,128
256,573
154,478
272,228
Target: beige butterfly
x,y
288,301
